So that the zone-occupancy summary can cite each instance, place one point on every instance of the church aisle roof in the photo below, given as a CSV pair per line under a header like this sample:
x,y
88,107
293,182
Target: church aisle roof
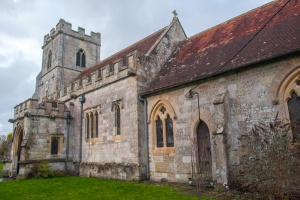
x,y
206,53
142,46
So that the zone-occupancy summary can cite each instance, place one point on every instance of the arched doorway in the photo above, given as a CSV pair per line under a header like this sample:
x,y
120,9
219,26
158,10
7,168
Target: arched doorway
x,y
18,138
204,150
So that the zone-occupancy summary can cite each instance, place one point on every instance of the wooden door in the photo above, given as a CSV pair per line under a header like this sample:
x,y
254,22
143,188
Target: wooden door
x,y
204,150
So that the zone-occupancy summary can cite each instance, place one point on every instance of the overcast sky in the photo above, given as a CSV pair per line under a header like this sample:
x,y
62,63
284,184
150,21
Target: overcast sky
x,y
23,24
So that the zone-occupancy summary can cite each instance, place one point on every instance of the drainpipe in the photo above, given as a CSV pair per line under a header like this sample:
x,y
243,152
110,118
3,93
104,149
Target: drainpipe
x,y
190,95
67,145
81,100
147,136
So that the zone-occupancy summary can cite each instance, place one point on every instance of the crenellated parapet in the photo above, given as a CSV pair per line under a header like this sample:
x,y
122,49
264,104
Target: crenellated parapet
x,y
48,108
108,74
66,28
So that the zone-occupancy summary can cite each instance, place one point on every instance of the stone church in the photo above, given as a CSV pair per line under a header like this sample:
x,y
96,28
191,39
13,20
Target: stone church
x,y
137,114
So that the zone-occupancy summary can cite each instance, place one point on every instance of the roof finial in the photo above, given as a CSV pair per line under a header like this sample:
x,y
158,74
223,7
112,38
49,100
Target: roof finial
x,y
175,14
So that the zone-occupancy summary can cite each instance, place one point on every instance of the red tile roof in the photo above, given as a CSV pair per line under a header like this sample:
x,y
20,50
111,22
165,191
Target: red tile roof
x,y
141,46
205,54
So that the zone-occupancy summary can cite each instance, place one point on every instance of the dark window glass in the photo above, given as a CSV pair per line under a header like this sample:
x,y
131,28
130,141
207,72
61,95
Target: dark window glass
x,y
294,112
159,133
169,132
118,120
83,60
96,125
92,125
80,58
87,124
49,60
54,146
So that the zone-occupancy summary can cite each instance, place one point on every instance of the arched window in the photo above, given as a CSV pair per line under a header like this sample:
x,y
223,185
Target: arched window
x,y
159,133
117,119
49,60
80,58
169,132
96,124
92,125
54,146
294,112
163,127
87,125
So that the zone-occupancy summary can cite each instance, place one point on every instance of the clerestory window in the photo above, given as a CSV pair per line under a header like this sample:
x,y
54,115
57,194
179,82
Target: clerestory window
x,y
80,58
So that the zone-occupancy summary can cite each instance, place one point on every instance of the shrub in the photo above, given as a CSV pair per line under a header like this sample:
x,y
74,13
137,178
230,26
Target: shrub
x,y
42,170
267,165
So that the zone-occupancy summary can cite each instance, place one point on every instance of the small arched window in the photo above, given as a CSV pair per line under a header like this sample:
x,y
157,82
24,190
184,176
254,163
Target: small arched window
x,y
92,125
159,133
96,124
169,132
80,58
118,119
49,60
87,124
54,146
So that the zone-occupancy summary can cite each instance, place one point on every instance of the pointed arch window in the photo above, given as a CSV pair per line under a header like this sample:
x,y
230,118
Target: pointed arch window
x,y
80,58
159,133
92,125
118,119
54,146
87,125
49,60
169,132
96,124
164,130
294,112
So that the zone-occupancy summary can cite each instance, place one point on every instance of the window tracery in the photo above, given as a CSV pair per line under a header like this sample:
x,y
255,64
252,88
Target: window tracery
x,y
80,58
164,133
91,124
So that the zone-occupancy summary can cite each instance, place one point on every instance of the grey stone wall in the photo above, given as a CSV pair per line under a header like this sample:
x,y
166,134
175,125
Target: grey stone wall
x,y
230,105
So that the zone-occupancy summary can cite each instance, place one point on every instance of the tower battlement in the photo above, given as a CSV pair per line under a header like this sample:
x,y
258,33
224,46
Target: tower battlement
x,y
66,28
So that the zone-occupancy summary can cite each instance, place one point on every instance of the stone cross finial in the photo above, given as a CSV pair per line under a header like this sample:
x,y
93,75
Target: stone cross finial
x,y
175,13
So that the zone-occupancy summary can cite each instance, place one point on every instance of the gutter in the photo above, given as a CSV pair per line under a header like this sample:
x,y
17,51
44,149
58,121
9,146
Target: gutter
x,y
202,78
81,100
147,137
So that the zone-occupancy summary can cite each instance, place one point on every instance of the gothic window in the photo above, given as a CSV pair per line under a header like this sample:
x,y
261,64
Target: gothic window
x,y
96,124
159,133
293,107
49,60
117,119
87,124
92,125
80,58
164,133
54,146
169,132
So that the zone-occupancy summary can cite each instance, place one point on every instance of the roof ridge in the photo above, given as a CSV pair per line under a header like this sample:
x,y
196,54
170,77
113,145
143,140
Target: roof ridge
x,y
232,19
132,45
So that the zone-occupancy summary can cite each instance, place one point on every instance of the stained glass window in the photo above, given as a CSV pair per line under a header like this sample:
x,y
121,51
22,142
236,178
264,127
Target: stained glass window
x,y
159,133
169,132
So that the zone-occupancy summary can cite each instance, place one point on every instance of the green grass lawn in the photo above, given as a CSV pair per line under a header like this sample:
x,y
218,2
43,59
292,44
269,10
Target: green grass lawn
x,y
84,188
